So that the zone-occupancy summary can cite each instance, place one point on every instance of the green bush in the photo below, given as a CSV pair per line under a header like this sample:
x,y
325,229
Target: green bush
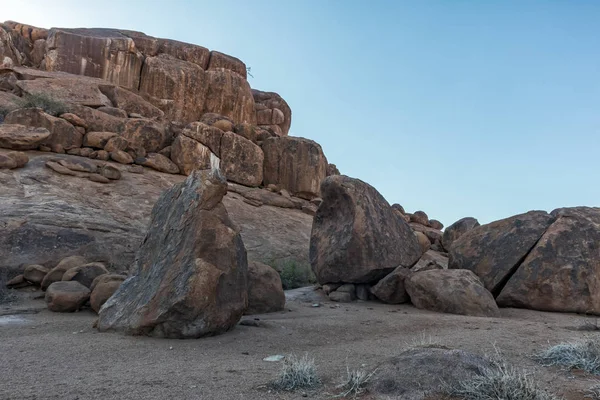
x,y
45,102
294,275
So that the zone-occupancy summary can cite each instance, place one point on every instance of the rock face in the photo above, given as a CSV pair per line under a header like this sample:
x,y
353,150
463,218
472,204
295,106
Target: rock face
x,y
48,216
190,275
562,271
100,53
66,296
423,373
356,237
265,292
457,229
295,164
495,250
451,291
19,137
177,87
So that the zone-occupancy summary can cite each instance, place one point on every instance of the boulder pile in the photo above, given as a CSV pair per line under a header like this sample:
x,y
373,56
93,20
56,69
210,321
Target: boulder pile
x,y
361,247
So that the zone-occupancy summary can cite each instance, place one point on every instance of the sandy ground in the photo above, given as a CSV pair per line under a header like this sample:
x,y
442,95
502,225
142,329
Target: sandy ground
x,y
45,355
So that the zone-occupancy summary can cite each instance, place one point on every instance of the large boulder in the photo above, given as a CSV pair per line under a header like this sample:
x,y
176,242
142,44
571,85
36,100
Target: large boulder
x,y
20,137
494,251
562,272
229,94
56,273
295,164
457,229
391,288
356,237
265,291
66,296
190,275
425,373
176,87
455,291
98,120
189,154
97,52
184,51
61,132
241,160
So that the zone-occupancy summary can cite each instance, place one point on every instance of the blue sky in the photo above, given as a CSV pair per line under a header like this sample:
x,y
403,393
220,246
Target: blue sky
x,y
457,108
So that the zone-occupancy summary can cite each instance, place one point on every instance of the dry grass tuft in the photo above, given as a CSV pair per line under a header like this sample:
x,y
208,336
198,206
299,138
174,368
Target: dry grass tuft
x,y
297,373
583,354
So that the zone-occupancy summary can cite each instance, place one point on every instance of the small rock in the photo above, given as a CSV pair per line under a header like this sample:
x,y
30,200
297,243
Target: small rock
x,y
253,202
341,297
86,151
317,201
56,167
330,287
45,149
35,273
102,155
57,148
74,119
135,115
7,162
136,169
121,157
110,172
17,282
73,152
98,178
102,292
78,165
275,358
116,143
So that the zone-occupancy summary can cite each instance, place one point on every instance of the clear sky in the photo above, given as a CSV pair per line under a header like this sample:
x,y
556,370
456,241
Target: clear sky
x,y
457,108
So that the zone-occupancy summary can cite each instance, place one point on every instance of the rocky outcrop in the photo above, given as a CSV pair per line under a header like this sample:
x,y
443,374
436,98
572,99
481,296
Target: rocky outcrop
x,y
451,291
562,272
265,292
494,251
296,164
356,237
457,229
229,94
190,275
